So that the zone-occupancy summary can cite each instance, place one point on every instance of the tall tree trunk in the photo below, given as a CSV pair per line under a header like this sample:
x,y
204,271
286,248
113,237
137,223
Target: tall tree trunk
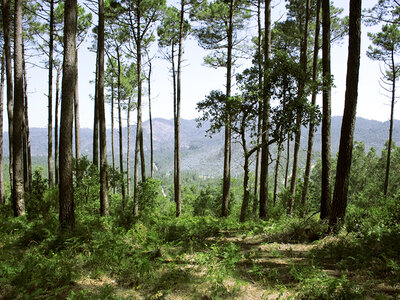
x,y
178,199
303,64
10,101
265,117
67,211
56,169
76,114
112,129
260,76
136,177
2,193
26,127
121,148
246,189
389,148
278,159
50,97
151,126
326,112
339,202
226,187
287,161
311,130
18,182
104,206
128,149
96,117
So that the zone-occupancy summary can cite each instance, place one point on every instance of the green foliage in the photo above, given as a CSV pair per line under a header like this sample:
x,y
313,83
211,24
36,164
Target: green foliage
x,y
40,200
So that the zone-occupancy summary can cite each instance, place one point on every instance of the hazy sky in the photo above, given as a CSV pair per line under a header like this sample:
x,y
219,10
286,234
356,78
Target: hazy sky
x,y
198,81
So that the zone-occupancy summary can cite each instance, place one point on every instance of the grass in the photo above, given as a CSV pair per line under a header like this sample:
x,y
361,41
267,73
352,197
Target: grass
x,y
191,258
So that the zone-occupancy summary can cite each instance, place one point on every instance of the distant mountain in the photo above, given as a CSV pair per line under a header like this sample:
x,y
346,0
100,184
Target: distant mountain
x,y
201,153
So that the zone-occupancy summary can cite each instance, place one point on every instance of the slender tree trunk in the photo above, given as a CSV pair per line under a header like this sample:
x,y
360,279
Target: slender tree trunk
x,y
151,126
265,117
67,211
10,101
50,97
246,189
326,112
26,129
278,159
311,130
226,188
121,148
389,148
136,177
128,141
76,114
260,76
56,169
339,203
303,64
178,199
96,117
18,182
112,129
2,192
287,161
104,206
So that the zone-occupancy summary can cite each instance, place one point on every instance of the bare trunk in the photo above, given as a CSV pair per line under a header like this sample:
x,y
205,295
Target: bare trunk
x,y
339,203
128,140
28,155
260,76
287,161
389,148
303,64
76,114
50,99
265,117
104,205
246,189
2,193
96,117
67,210
112,128
151,126
278,159
56,169
121,148
226,188
311,130
7,49
326,112
18,181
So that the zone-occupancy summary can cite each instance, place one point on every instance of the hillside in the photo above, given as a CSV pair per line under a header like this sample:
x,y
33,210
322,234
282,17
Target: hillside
x,y
203,154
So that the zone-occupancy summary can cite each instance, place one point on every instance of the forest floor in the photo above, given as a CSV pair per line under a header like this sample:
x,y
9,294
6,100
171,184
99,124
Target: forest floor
x,y
239,266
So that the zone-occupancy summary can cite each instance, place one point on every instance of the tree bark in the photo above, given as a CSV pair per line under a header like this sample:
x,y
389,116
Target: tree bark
x,y
226,187
311,130
2,193
303,64
26,129
128,142
67,212
265,117
339,203
112,128
18,181
151,126
326,112
121,148
278,159
76,114
104,206
10,100
287,161
96,117
50,98
389,148
56,169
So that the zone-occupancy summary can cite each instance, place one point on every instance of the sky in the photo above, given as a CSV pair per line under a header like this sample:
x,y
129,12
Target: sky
x,y
198,80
